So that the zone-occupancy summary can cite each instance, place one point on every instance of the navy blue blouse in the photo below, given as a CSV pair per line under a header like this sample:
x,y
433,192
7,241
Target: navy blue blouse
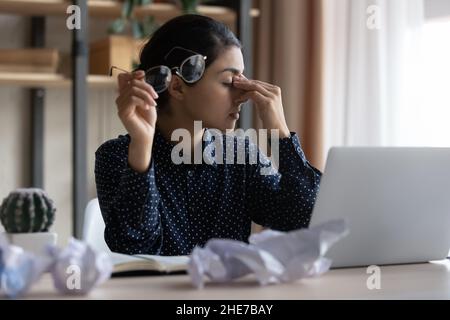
x,y
172,208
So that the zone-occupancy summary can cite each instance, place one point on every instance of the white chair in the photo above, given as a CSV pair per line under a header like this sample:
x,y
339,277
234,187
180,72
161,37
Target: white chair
x,y
94,227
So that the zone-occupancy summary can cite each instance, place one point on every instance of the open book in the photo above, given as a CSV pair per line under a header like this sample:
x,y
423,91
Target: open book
x,y
142,264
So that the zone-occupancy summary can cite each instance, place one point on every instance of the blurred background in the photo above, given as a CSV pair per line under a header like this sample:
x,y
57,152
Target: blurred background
x,y
352,73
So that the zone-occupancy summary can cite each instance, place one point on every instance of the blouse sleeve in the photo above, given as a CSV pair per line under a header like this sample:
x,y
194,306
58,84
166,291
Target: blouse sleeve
x,y
128,201
283,200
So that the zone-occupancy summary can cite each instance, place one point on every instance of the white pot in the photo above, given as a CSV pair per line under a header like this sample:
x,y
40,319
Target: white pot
x,y
34,242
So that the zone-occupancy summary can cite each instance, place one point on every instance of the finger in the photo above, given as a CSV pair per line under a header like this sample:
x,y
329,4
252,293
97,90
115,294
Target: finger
x,y
270,87
132,104
256,97
126,99
250,85
138,74
144,95
123,80
243,99
145,86
146,114
126,78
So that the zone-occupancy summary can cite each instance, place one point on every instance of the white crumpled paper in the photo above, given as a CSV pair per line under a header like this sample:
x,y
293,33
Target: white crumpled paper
x,y
272,256
18,269
76,269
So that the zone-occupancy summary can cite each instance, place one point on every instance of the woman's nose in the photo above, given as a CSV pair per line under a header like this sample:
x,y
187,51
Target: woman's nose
x,y
238,96
240,101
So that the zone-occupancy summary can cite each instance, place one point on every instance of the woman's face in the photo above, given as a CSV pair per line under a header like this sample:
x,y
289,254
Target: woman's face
x,y
213,99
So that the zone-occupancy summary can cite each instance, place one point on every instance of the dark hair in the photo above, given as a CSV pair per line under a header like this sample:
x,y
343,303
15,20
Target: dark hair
x,y
198,33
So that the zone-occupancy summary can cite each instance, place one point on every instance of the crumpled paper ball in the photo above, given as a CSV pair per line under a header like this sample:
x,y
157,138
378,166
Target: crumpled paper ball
x,y
77,268
18,269
272,256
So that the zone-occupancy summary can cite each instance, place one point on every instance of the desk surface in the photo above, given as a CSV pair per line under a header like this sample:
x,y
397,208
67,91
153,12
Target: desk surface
x,y
415,281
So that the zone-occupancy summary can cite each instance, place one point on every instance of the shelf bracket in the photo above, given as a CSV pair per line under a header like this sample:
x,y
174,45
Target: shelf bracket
x,y
37,100
79,118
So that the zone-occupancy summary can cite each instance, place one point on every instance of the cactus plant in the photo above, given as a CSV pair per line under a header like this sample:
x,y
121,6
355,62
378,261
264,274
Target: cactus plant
x,y
27,210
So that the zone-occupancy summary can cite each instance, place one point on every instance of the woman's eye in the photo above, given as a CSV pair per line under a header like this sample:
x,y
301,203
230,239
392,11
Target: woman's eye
x,y
228,84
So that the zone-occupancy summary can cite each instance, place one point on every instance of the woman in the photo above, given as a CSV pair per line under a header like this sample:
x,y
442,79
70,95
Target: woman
x,y
152,205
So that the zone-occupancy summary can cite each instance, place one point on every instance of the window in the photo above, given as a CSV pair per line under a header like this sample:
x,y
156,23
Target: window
x,y
426,121
436,76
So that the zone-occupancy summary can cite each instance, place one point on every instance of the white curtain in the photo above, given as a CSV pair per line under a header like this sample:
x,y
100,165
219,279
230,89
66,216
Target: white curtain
x,y
372,68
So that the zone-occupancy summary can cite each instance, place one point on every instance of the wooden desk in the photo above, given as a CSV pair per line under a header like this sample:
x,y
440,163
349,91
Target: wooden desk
x,y
418,281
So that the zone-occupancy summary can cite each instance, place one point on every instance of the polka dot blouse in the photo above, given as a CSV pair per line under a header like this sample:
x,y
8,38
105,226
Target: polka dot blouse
x,y
172,208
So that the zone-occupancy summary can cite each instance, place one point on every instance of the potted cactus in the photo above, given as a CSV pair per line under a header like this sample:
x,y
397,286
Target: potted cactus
x,y
27,215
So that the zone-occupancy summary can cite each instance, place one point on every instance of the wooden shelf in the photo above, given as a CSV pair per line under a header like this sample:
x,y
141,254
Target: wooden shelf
x,y
33,7
101,9
112,9
161,11
51,80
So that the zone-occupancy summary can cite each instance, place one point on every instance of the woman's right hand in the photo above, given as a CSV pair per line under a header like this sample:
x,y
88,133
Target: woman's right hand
x,y
136,106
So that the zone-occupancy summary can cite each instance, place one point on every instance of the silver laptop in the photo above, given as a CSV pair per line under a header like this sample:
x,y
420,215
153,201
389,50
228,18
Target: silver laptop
x,y
396,202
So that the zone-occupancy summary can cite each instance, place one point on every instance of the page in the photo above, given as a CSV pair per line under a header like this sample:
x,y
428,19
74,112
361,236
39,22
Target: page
x,y
160,264
166,260
118,258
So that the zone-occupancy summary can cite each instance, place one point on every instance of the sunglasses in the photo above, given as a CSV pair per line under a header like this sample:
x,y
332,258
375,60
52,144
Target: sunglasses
x,y
190,70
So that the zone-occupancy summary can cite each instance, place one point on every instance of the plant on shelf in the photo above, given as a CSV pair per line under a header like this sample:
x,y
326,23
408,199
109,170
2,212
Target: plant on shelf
x,y
119,48
27,215
189,6
140,28
145,27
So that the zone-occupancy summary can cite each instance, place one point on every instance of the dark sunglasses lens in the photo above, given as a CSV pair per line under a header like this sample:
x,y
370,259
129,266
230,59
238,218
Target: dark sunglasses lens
x,y
158,78
193,68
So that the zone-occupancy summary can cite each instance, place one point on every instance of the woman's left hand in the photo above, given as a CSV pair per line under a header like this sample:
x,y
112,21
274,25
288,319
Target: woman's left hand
x,y
267,100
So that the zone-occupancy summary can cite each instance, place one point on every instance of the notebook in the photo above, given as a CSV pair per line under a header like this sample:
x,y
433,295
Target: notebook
x,y
143,264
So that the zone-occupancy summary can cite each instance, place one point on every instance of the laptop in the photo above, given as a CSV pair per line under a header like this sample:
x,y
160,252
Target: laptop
x,y
396,202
